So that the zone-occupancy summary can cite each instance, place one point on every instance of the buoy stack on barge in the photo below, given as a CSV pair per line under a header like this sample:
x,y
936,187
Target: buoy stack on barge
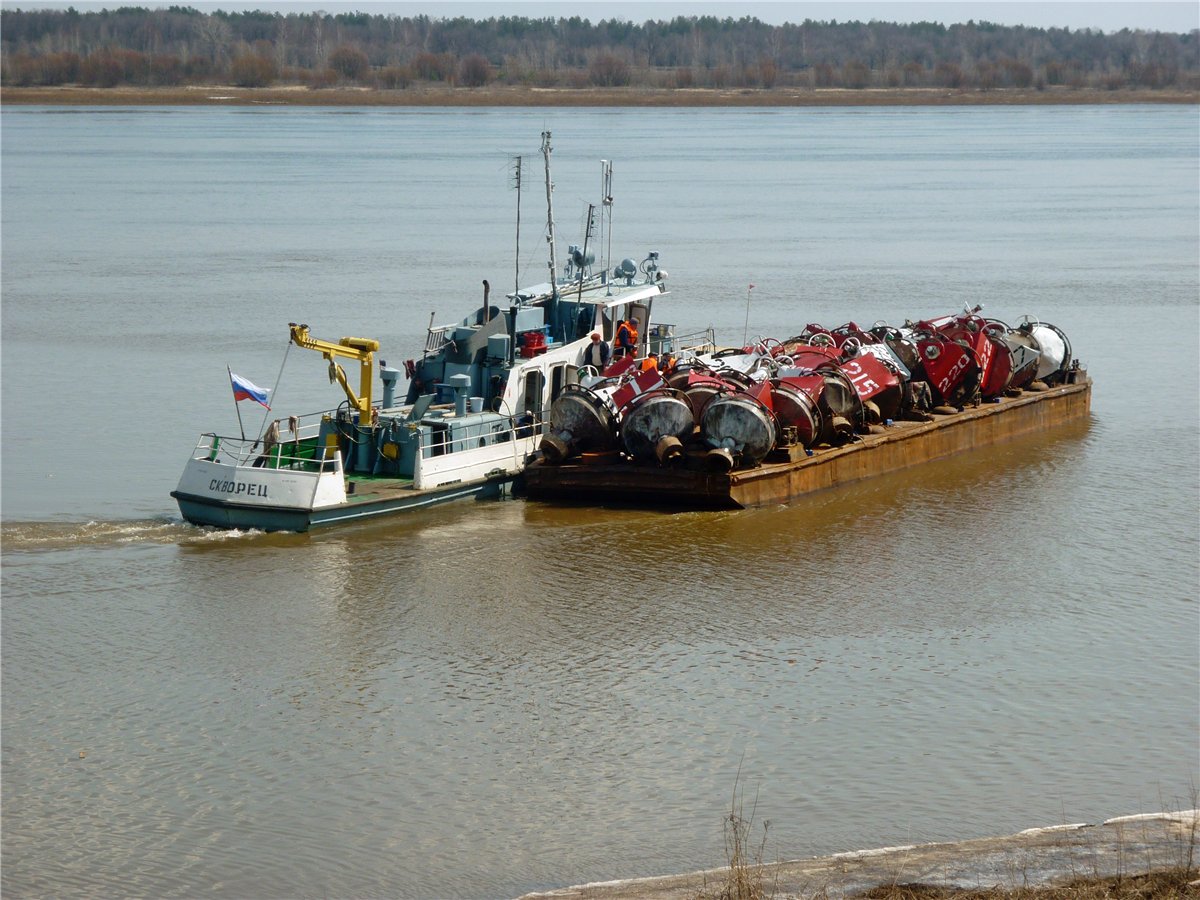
x,y
774,420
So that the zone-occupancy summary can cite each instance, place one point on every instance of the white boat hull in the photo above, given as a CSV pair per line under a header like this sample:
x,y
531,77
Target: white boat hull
x,y
248,497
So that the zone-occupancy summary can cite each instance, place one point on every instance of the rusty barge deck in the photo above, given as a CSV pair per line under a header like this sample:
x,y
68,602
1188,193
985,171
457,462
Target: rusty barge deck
x,y
782,478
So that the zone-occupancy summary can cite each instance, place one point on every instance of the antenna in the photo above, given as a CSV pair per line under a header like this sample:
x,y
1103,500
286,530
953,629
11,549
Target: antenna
x,y
546,150
517,260
587,236
746,332
606,203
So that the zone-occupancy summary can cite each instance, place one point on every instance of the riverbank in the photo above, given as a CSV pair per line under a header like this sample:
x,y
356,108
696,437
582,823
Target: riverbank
x,y
1123,847
504,95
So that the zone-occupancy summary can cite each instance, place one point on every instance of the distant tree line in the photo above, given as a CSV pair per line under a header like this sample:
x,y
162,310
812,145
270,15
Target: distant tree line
x,y
181,45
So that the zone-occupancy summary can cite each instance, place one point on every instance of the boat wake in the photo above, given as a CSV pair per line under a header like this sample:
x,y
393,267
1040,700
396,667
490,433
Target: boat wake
x,y
29,537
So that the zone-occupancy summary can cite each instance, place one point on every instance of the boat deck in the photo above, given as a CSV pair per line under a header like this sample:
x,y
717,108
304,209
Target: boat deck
x,y
367,488
388,492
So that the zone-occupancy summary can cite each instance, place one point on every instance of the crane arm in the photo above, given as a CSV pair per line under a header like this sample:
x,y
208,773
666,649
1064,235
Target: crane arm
x,y
361,349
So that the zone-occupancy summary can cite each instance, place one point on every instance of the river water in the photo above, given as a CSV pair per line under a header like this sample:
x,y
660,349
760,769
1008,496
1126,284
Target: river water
x,y
490,698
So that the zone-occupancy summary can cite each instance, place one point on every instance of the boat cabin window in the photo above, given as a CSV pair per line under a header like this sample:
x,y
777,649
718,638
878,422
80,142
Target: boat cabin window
x,y
531,401
559,375
439,441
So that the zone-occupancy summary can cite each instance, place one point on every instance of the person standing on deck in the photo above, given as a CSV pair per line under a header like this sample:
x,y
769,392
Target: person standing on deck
x,y
626,339
597,353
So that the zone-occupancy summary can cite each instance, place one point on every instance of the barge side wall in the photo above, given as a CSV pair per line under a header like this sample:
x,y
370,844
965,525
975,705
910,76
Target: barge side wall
x,y
913,444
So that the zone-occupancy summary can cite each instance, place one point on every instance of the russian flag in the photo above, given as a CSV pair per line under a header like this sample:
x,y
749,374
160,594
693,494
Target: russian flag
x,y
245,389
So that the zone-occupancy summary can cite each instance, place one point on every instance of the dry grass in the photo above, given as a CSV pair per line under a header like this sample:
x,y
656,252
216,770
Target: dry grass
x,y
1178,883
746,882
747,877
744,879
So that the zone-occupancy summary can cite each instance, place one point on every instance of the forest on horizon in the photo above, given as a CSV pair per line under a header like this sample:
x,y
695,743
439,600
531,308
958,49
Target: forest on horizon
x,y
183,46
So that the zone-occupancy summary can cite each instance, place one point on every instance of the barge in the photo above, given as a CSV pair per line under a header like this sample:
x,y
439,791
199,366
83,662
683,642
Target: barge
x,y
773,421
787,474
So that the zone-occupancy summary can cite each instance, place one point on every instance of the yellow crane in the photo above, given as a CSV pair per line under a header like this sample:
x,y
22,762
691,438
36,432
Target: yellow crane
x,y
361,349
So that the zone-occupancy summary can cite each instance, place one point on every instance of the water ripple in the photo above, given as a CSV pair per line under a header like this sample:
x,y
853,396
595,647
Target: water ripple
x,y
32,537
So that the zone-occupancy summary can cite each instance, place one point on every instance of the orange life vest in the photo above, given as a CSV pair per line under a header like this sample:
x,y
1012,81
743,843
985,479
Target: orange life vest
x,y
629,330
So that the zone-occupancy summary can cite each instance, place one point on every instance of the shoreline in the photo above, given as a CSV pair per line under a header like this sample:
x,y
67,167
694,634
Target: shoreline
x,y
1125,846
506,96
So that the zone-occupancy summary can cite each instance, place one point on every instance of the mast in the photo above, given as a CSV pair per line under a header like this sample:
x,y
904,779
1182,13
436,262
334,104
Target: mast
x,y
606,203
550,216
587,236
517,257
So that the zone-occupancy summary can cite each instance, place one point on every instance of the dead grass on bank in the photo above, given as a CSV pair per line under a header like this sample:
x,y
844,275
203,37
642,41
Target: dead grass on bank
x,y
504,95
1178,883
746,882
1181,881
747,877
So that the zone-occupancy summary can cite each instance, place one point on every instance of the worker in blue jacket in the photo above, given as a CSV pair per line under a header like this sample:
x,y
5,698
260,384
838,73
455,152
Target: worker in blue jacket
x,y
597,353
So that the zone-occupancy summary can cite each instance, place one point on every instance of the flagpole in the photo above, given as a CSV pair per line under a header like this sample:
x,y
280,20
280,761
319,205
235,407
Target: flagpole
x,y
235,403
274,390
746,330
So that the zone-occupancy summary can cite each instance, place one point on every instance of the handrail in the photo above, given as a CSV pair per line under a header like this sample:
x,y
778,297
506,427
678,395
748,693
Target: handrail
x,y
516,427
245,453
702,340
438,466
662,336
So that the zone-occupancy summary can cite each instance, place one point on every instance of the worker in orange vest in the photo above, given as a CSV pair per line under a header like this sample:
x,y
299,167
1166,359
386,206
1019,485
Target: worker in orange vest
x,y
625,341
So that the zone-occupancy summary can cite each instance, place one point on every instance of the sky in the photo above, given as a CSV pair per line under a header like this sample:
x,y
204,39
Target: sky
x,y
1074,14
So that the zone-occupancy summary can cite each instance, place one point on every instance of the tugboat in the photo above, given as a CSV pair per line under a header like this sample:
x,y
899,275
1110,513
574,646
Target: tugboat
x,y
472,417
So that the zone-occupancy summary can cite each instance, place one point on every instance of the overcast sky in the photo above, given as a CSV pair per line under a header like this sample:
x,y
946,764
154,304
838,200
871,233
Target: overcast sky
x,y
1075,14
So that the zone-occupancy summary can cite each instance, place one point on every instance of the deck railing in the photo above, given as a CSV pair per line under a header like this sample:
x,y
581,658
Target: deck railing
x,y
703,340
470,458
663,339
297,448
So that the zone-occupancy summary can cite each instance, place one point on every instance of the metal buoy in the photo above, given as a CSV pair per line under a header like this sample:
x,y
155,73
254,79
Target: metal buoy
x,y
737,423
654,417
580,420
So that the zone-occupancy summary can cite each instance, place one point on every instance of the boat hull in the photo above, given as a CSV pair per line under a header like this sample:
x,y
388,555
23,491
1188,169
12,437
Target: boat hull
x,y
358,507
305,494
901,446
